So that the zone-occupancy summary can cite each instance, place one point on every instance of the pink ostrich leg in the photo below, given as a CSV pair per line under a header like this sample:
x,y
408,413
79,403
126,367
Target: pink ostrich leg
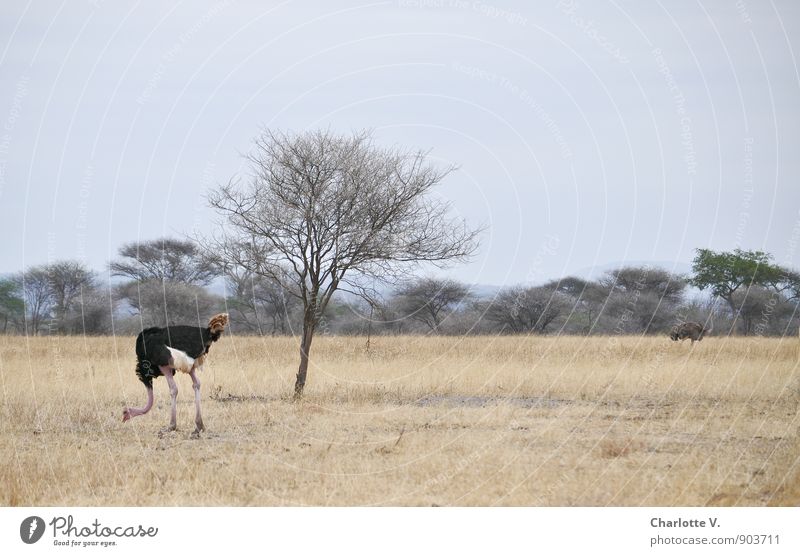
x,y
198,419
173,392
131,412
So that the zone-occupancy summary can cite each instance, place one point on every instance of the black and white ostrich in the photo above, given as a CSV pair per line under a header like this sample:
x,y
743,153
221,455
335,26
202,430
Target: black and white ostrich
x,y
162,351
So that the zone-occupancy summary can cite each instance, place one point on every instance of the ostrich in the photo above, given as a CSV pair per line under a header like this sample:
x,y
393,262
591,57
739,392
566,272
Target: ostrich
x,y
162,351
690,330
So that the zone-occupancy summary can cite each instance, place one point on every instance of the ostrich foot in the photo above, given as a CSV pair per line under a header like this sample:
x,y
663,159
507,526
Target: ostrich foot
x,y
166,430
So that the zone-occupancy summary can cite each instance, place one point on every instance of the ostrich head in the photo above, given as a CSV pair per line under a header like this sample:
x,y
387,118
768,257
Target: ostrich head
x,y
217,325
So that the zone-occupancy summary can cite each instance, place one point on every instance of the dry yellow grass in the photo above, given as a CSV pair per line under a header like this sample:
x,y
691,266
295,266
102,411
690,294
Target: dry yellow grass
x,y
412,421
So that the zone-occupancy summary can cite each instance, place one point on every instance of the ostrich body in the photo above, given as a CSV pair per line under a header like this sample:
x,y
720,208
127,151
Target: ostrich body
x,y
162,351
691,330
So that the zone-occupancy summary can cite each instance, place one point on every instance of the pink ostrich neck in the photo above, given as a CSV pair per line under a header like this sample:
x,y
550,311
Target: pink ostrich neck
x,y
136,411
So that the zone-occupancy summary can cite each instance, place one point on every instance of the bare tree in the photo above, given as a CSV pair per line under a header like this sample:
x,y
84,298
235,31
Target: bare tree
x,y
162,303
69,281
168,259
587,300
271,298
383,316
258,304
241,303
661,283
428,300
519,309
324,212
762,310
647,296
91,313
34,285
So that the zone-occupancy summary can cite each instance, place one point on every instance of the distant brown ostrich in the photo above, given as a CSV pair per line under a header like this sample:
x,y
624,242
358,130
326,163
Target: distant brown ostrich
x,y
162,351
690,330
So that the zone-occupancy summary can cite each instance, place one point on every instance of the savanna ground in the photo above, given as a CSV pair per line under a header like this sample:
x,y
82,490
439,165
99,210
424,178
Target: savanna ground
x,y
621,421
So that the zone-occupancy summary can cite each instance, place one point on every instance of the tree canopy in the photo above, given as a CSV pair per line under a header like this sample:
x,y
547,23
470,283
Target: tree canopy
x,y
12,308
427,300
323,212
168,259
723,273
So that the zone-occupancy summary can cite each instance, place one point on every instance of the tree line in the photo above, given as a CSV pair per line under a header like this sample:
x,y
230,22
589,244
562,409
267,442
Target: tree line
x,y
168,281
326,232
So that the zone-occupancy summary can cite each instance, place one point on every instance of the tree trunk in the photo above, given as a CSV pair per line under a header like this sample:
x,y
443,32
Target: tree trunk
x,y
735,311
305,349
369,326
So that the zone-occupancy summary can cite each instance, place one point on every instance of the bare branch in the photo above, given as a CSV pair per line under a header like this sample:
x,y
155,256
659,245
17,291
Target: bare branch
x,y
322,210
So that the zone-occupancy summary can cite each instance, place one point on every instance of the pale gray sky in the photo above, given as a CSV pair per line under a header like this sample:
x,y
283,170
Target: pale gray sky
x,y
587,133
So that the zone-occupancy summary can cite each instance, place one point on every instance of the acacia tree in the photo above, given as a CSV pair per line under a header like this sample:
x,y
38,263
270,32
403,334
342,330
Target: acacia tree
x,y
726,273
587,299
167,303
761,310
167,276
166,259
34,287
427,299
69,282
520,309
657,281
323,212
651,294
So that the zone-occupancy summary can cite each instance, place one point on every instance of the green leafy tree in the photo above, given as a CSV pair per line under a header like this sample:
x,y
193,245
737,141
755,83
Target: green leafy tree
x,y
12,308
726,273
789,285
